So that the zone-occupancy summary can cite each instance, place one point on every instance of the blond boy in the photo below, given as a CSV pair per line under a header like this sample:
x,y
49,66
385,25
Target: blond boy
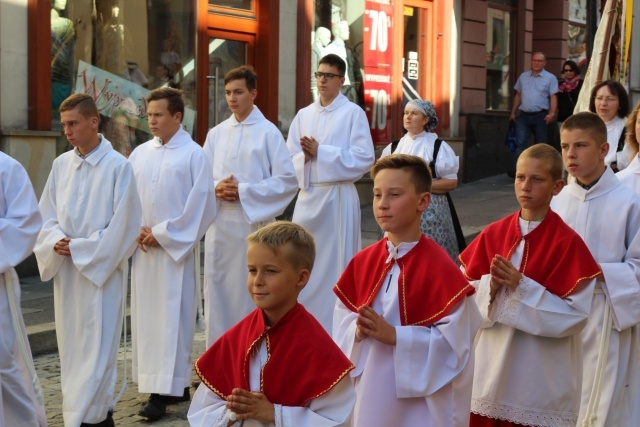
x,y
606,215
528,358
414,360
277,366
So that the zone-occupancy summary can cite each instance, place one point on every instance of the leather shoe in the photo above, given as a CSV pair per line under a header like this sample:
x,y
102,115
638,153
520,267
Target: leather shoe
x,y
186,396
155,408
108,422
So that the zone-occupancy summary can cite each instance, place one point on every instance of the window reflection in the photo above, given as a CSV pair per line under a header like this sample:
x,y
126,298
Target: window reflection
x,y
117,51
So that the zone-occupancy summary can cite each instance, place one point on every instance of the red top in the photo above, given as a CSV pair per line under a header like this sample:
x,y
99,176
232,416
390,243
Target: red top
x,y
554,255
430,284
303,362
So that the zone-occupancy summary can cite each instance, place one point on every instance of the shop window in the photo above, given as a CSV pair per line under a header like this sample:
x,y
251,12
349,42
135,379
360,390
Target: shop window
x,y
338,28
499,61
117,51
577,37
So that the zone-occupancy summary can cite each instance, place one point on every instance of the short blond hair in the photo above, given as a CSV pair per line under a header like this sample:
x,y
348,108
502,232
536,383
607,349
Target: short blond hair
x,y
547,154
276,235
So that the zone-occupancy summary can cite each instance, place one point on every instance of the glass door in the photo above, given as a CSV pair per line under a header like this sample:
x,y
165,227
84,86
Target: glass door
x,y
418,55
224,55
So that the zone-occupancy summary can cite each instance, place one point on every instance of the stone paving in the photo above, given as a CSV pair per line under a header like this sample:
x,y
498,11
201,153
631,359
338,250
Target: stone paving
x,y
125,414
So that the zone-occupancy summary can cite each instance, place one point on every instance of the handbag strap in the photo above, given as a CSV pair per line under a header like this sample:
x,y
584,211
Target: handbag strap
x,y
432,163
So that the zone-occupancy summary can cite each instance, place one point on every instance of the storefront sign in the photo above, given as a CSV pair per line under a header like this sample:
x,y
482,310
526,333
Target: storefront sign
x,y
114,95
377,101
378,57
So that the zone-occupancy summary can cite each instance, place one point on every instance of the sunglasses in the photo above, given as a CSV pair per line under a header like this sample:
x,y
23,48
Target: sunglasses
x,y
568,70
328,76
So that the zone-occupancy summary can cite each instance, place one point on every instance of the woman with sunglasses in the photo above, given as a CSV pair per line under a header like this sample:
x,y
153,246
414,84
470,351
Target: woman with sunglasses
x,y
568,90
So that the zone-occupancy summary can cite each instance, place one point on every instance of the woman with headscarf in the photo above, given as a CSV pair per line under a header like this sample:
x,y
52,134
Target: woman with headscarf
x,y
438,221
568,90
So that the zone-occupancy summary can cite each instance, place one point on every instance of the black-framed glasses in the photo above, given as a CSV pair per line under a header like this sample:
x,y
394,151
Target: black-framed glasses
x,y
328,76
567,70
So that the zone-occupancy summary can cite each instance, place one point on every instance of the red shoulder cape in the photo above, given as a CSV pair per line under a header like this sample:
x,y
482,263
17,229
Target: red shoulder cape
x,y
303,361
430,284
554,255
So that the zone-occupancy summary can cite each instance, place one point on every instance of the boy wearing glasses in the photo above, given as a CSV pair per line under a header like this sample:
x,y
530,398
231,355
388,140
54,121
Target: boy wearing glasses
x,y
331,148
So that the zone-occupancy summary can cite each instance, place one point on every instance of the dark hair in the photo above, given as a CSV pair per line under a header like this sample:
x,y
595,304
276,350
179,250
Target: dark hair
x,y
616,89
245,72
588,122
83,102
175,102
416,166
334,60
574,67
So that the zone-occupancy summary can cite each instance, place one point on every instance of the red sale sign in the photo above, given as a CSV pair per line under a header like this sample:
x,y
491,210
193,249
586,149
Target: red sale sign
x,y
377,103
377,46
377,55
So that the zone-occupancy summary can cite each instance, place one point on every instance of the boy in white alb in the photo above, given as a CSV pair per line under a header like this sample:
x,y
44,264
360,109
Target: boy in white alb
x,y
606,214
534,278
414,360
254,182
174,181
20,224
331,148
91,217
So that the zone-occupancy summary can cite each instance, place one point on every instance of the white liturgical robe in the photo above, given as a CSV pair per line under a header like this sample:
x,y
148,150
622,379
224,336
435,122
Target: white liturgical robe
x,y
254,153
92,201
607,217
631,175
175,185
528,350
425,379
328,205
20,223
332,409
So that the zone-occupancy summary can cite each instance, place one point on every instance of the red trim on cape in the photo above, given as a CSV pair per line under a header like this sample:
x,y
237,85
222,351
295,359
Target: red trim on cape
x,y
303,362
430,284
554,255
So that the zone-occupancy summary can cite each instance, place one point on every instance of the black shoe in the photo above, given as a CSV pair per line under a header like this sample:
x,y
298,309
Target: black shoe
x,y
186,396
108,422
155,408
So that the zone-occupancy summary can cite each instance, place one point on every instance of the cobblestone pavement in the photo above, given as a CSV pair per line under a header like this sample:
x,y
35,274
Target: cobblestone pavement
x,y
48,367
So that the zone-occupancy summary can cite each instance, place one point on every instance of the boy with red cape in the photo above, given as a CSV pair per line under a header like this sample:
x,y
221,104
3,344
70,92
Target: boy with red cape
x,y
534,278
277,366
404,315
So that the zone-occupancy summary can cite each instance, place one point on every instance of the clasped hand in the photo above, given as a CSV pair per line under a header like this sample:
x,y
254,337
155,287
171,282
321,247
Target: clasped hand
x,y
62,247
503,273
227,190
372,324
309,147
146,238
250,404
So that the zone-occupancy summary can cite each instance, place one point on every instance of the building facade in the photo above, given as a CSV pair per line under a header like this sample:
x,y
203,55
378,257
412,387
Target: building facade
x,y
463,55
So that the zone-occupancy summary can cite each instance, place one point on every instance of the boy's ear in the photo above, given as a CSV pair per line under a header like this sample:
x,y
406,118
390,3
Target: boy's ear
x,y
558,186
423,202
604,149
303,278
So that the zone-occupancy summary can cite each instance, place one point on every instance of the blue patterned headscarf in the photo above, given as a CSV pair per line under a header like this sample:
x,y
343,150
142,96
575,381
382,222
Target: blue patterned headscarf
x,y
426,108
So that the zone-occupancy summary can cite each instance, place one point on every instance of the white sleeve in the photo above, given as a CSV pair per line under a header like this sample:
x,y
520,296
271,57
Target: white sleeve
x,y
428,358
483,300
531,308
447,163
331,409
268,198
49,262
207,409
348,164
386,151
179,235
302,169
344,334
20,222
98,255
